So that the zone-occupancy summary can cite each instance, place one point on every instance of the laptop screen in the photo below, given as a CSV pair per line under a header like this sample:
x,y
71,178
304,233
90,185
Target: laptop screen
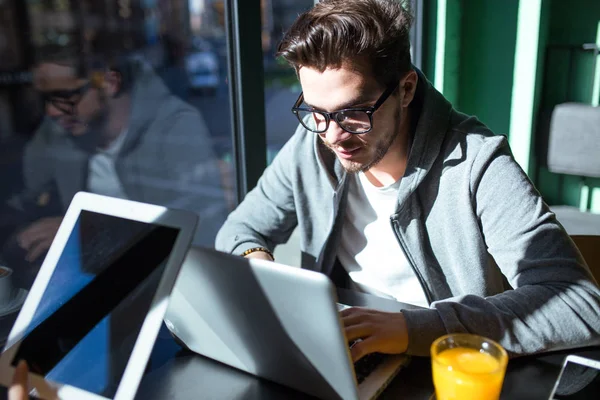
x,y
85,327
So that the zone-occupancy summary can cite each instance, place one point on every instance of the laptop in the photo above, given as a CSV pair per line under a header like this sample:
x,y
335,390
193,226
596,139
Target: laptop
x,y
89,322
274,321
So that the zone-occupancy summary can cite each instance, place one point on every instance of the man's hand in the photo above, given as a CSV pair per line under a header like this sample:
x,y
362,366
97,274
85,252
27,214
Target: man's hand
x,y
38,237
18,390
381,332
260,255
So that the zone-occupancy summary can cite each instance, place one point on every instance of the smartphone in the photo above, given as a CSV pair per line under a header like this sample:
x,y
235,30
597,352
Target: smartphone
x,y
579,378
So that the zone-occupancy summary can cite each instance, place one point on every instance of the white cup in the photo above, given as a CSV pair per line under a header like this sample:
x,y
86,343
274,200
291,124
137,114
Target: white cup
x,y
5,285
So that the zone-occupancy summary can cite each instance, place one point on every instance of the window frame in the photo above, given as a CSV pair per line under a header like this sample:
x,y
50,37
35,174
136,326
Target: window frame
x,y
246,87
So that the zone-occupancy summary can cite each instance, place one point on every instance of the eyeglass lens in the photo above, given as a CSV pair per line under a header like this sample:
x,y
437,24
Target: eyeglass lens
x,y
354,121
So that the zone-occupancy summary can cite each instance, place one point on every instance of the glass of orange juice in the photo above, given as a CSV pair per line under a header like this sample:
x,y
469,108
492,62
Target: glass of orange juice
x,y
467,367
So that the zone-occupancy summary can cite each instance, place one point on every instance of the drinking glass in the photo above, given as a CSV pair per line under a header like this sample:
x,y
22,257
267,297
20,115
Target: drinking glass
x,y
467,367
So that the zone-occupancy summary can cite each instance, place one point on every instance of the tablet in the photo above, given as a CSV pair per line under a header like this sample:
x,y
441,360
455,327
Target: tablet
x,y
89,323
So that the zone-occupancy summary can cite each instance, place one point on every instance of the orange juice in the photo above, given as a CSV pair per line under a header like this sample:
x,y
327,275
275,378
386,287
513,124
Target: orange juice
x,y
467,374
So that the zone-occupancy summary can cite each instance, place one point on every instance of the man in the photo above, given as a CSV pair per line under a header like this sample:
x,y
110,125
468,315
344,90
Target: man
x,y
396,193
112,128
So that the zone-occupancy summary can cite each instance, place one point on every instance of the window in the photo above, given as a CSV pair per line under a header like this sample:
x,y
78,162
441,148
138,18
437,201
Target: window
x,y
281,84
124,98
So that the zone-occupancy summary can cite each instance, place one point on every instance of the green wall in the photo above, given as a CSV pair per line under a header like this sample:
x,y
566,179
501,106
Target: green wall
x,y
487,54
478,67
479,47
454,42
568,23
539,84
429,42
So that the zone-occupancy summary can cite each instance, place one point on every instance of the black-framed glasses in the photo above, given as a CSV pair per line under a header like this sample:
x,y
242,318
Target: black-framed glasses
x,y
353,120
66,100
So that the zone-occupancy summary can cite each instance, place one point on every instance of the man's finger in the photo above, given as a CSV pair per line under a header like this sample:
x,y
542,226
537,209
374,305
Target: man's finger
x,y
38,230
24,239
31,241
362,348
358,331
18,389
38,249
352,311
347,312
31,234
353,319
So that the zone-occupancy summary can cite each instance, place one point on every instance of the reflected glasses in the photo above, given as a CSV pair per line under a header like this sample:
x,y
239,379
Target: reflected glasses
x,y
352,120
66,100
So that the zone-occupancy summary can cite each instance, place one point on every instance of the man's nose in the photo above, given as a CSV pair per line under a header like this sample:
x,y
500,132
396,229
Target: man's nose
x,y
335,134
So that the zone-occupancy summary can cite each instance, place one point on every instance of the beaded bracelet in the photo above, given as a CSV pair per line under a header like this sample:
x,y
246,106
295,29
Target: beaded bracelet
x,y
253,249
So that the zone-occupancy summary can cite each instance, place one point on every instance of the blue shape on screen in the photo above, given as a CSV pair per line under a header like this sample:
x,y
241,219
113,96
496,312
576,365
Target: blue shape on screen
x,y
66,281
87,365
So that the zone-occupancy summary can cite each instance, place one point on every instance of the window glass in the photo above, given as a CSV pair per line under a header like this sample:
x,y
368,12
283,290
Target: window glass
x,y
124,98
281,85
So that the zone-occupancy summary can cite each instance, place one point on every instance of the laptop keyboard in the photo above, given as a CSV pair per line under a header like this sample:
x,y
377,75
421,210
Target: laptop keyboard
x,y
366,365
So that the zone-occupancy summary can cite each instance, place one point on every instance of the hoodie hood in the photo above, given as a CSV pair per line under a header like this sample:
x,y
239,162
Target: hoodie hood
x,y
150,101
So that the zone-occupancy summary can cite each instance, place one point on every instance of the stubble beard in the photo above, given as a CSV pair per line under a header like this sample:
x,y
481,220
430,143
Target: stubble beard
x,y
92,135
381,148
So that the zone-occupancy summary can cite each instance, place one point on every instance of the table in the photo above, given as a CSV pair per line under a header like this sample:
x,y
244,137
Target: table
x,y
175,373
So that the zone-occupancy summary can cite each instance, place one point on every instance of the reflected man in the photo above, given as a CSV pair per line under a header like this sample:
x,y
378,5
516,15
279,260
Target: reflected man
x,y
112,128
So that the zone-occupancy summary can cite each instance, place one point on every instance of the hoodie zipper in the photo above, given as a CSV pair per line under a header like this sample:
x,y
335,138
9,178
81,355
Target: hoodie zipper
x,y
394,223
331,223
336,194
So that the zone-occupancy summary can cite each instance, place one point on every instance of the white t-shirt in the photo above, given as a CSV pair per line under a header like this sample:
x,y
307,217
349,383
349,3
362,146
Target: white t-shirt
x,y
102,174
369,249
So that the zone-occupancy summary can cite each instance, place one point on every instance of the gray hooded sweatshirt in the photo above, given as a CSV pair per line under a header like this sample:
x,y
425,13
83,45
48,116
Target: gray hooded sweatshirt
x,y
490,256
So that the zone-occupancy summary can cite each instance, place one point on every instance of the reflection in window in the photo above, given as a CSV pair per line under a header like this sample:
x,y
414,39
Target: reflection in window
x,y
281,85
125,98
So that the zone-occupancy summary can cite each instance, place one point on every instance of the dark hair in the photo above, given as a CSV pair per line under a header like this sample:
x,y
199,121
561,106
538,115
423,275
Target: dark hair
x,y
70,56
99,57
338,32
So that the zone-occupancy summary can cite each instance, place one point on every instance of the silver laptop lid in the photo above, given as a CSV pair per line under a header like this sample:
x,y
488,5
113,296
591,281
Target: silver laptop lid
x,y
274,321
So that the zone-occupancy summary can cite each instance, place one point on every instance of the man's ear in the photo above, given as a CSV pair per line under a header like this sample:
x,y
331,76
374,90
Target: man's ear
x,y
408,85
113,83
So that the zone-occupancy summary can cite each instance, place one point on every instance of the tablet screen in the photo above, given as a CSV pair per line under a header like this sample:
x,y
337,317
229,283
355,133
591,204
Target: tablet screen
x,y
85,327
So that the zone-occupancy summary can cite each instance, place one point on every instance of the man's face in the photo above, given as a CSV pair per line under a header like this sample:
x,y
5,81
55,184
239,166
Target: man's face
x,y
337,89
72,102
